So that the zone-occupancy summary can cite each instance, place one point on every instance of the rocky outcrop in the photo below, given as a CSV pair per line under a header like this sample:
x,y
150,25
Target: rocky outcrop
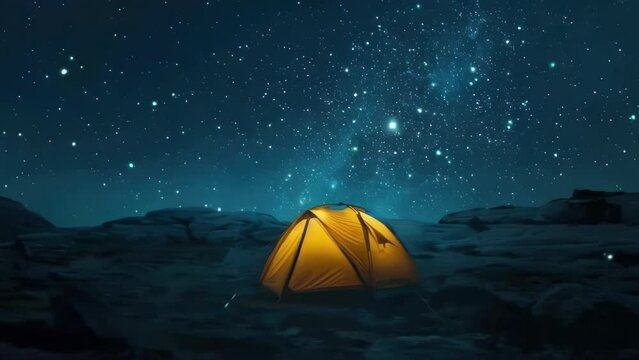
x,y
184,283
16,219
201,225
583,207
593,207
506,214
80,290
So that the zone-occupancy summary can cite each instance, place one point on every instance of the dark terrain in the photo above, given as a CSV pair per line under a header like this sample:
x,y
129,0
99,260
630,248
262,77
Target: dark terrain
x,y
556,282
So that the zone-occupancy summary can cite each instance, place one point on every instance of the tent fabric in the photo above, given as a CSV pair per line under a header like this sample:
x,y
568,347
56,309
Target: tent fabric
x,y
337,247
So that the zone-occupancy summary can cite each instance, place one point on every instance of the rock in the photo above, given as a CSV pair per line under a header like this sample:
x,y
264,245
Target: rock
x,y
623,208
593,207
476,224
425,347
585,194
475,309
569,302
16,219
202,225
583,207
604,329
569,211
183,283
497,215
163,235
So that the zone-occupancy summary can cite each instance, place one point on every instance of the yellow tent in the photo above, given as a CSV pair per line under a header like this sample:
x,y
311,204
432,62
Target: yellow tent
x,y
337,247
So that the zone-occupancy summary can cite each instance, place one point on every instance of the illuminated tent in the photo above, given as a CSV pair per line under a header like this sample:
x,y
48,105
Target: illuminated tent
x,y
337,247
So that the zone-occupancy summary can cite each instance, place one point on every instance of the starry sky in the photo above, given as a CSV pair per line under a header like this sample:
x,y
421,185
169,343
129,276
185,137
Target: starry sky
x,y
408,108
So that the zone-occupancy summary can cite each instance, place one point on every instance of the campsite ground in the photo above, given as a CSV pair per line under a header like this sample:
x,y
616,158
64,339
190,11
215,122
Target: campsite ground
x,y
147,288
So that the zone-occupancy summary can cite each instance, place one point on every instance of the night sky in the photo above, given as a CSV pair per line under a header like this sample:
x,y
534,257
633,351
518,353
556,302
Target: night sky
x,y
408,108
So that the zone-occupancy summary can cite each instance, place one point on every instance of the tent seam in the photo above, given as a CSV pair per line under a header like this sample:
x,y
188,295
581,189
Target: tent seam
x,y
297,255
277,246
348,258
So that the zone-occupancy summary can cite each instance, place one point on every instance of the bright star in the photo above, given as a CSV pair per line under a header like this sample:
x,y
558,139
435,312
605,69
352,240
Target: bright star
x,y
438,153
131,165
73,143
154,103
420,110
392,124
473,69
64,71
633,117
552,65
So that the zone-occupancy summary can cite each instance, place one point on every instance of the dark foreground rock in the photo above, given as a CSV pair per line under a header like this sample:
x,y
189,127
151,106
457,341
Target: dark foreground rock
x,y
183,284
16,219
583,207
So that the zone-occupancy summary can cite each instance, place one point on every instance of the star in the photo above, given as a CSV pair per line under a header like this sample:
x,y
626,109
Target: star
x,y
131,165
392,124
64,71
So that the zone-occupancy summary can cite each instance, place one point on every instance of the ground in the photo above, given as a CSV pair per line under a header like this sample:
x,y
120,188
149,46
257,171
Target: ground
x,y
183,284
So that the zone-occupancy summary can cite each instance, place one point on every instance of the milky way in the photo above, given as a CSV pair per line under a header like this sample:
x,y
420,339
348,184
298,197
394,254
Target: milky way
x,y
410,109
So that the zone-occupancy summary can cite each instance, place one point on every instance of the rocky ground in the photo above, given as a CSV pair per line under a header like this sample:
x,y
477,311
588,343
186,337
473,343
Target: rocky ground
x,y
555,282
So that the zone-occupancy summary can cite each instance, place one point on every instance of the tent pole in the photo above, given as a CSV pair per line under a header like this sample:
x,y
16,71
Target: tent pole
x,y
297,255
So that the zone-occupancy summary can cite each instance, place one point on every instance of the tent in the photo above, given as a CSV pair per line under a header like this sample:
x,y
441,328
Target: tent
x,y
337,247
